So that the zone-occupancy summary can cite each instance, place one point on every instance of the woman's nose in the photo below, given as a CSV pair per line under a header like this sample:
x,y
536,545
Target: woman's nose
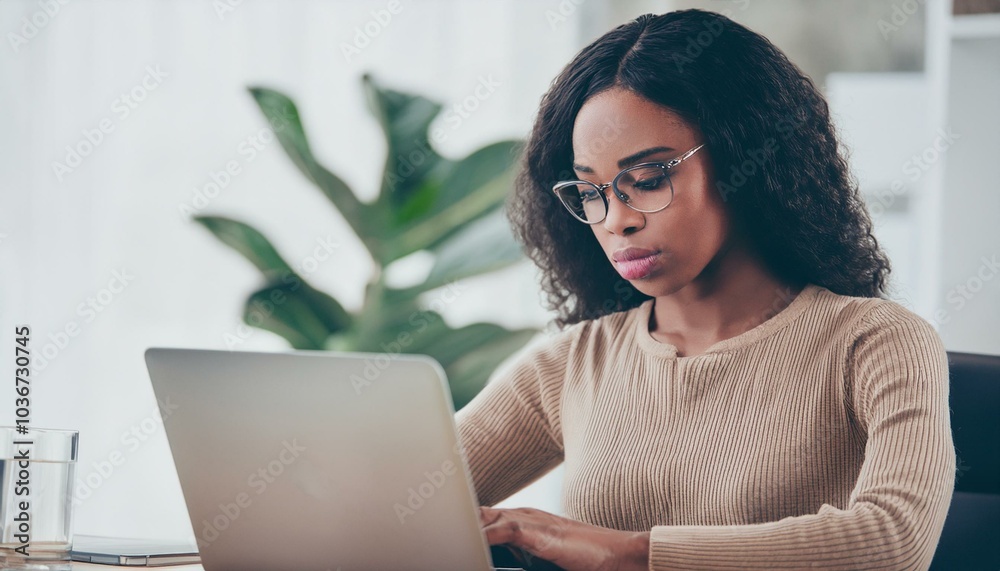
x,y
621,219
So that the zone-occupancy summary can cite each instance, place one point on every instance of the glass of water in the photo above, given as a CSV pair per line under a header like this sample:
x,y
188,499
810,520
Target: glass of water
x,y
37,468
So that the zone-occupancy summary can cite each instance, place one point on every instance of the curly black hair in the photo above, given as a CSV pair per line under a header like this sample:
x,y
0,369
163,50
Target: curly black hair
x,y
767,127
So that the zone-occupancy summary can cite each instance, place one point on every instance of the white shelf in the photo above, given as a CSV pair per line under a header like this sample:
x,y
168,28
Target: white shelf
x,y
974,26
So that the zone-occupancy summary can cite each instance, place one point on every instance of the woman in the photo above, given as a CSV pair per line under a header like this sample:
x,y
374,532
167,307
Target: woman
x,y
730,390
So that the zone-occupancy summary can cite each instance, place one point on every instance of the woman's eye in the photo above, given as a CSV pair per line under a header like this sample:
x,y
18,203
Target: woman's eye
x,y
647,184
588,195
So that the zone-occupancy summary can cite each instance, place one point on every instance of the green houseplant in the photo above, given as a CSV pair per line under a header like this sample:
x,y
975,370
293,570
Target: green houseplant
x,y
426,203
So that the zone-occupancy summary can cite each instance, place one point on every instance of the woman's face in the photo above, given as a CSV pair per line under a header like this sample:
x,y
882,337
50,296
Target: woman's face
x,y
617,124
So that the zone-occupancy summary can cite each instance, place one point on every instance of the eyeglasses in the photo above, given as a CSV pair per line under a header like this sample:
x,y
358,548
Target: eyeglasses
x,y
645,187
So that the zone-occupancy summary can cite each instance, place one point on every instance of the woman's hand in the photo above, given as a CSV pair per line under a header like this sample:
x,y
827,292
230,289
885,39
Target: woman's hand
x,y
570,544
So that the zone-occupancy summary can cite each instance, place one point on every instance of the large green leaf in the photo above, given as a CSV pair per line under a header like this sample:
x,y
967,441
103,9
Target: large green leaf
x,y
470,188
426,202
421,200
453,181
405,120
478,169
247,241
485,245
283,115
468,354
455,343
408,330
433,230
298,312
468,373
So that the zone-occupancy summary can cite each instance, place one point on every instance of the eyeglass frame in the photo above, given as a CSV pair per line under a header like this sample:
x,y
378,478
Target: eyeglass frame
x,y
624,198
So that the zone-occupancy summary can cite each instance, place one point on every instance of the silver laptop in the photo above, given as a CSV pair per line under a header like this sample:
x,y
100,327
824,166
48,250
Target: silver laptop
x,y
319,461
132,551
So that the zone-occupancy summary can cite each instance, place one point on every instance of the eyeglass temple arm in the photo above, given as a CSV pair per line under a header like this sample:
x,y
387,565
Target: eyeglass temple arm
x,y
674,162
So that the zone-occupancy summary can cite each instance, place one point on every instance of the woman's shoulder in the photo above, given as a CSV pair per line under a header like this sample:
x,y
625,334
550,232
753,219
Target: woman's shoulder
x,y
878,321
870,311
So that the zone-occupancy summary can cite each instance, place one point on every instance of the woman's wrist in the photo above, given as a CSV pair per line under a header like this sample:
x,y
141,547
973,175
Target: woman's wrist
x,y
636,553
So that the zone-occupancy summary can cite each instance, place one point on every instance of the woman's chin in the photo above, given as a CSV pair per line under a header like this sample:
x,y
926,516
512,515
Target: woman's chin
x,y
653,284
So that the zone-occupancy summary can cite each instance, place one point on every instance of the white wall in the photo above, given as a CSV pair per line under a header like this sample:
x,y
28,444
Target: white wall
x,y
881,119
970,267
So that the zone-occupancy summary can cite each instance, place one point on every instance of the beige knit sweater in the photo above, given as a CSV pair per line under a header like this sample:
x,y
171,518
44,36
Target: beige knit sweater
x,y
820,438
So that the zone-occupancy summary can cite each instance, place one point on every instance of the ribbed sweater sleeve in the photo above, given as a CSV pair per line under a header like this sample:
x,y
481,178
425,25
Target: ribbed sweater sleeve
x,y
510,431
897,384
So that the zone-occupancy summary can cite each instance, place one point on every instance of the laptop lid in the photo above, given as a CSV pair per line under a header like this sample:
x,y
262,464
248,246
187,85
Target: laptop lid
x,y
319,460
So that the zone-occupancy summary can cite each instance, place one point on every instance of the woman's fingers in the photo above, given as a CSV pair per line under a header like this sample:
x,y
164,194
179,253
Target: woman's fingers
x,y
566,543
501,527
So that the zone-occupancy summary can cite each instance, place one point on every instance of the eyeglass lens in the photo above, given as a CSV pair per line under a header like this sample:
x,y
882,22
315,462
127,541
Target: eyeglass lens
x,y
646,188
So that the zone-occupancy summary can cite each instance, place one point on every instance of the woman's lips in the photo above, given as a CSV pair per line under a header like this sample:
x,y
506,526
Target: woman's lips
x,y
637,268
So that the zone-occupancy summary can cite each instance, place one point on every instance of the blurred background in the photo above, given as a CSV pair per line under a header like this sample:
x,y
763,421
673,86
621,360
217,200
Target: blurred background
x,y
121,121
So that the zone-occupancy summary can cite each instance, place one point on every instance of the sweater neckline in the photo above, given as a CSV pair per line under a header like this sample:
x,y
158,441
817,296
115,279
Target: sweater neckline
x,y
770,326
